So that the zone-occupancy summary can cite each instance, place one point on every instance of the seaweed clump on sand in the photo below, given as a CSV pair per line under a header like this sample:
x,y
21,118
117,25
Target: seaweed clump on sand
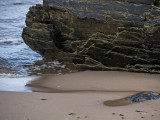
x,y
143,96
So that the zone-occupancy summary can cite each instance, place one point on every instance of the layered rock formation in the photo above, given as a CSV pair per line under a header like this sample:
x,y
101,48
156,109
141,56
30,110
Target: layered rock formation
x,y
97,34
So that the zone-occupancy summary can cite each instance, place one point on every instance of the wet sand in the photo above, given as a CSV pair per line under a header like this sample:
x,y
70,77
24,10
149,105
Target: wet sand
x,y
102,81
81,96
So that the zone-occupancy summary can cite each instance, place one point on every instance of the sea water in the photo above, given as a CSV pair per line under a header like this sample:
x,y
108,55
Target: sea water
x,y
12,22
18,55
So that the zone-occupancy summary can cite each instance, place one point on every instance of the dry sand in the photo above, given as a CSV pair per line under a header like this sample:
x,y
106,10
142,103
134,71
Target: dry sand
x,y
80,96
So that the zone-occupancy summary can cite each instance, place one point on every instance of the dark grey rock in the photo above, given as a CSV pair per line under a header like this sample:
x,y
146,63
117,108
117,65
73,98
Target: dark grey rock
x,y
141,1
155,22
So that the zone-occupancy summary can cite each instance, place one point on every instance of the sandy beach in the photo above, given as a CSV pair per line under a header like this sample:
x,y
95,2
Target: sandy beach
x,y
81,96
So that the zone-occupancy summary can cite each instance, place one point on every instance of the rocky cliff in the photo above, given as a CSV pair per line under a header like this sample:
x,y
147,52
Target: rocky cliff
x,y
97,34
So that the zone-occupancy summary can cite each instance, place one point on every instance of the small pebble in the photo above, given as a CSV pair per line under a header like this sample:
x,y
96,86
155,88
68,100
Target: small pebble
x,y
113,113
142,117
78,118
121,115
139,111
72,114
43,99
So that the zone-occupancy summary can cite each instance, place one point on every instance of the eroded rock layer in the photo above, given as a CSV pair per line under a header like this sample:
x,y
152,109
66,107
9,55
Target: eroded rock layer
x,y
97,34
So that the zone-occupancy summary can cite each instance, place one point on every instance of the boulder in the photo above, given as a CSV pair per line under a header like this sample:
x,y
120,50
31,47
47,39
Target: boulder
x,y
93,35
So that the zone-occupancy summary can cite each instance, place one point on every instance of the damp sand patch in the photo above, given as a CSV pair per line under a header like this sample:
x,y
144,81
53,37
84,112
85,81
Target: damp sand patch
x,y
102,81
117,102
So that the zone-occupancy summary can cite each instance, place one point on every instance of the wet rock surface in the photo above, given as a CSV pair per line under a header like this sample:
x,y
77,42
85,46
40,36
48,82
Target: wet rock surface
x,y
93,35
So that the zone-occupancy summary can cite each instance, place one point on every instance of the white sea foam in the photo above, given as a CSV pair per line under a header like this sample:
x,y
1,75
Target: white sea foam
x,y
11,41
5,74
